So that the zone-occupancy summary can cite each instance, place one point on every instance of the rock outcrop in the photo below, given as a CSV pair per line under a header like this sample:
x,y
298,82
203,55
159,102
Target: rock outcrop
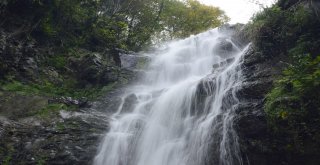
x,y
250,122
45,128
31,134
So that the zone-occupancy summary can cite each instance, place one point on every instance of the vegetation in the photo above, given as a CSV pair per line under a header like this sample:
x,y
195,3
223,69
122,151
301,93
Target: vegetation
x,y
293,106
50,109
290,31
183,19
128,24
64,31
49,89
7,154
51,50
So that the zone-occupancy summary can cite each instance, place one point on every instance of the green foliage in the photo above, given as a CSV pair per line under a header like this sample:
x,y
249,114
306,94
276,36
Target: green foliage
x,y
7,154
182,19
292,106
50,109
7,160
109,32
290,31
58,61
47,27
97,25
274,30
60,126
21,88
42,161
49,89
300,84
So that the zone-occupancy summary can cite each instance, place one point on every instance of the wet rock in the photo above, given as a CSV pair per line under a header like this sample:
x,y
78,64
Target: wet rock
x,y
224,47
204,92
129,103
94,69
223,63
133,61
29,68
215,66
231,28
254,89
81,103
53,75
19,58
238,33
251,122
73,140
206,87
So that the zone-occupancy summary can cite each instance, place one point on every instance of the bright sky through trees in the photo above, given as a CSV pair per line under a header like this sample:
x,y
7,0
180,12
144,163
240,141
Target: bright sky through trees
x,y
240,11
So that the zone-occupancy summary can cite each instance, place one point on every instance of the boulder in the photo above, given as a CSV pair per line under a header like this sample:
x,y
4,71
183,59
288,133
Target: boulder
x,y
19,58
81,103
129,103
224,47
93,69
29,68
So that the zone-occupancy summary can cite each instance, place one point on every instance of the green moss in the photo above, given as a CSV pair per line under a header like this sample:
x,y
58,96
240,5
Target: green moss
x,y
58,61
141,63
292,106
42,161
94,92
7,160
60,126
73,125
19,87
8,152
49,89
49,110
47,28
109,87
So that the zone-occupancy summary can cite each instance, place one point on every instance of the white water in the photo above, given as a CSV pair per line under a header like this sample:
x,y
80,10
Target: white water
x,y
179,118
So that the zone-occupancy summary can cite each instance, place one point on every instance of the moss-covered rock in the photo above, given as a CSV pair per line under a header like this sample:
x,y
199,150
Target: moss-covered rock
x,y
281,89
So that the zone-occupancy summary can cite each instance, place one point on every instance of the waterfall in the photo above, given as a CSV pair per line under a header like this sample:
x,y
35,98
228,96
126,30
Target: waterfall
x,y
182,110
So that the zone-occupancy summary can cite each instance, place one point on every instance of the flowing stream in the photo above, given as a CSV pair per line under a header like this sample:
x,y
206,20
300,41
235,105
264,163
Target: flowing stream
x,y
182,111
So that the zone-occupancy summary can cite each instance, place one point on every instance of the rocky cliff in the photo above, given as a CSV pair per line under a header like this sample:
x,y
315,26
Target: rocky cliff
x,y
49,113
283,37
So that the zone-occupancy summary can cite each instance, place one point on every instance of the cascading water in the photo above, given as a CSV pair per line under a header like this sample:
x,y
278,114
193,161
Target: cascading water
x,y
184,108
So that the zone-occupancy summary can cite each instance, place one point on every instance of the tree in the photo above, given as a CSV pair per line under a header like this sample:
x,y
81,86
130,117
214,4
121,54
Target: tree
x,y
182,19
108,24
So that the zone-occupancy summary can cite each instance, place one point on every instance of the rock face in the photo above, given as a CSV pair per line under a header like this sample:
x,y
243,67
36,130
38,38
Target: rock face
x,y
58,137
92,69
29,61
250,123
81,103
18,57
256,140
71,140
31,132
